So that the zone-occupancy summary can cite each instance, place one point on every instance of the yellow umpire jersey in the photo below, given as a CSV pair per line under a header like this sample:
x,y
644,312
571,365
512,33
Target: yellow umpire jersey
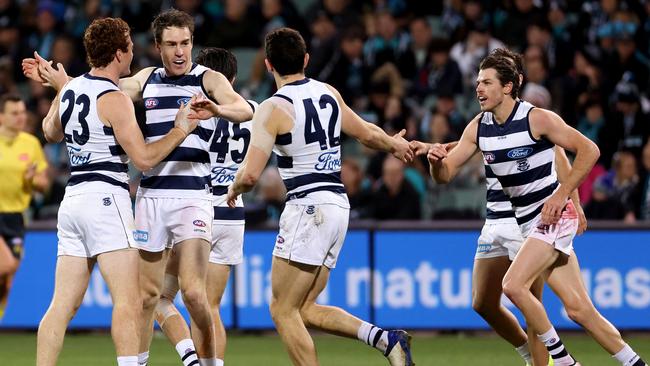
x,y
16,156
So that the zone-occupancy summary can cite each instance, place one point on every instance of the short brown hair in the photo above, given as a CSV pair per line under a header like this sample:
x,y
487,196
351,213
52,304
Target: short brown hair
x,y
218,59
285,49
506,71
516,57
8,97
171,18
103,38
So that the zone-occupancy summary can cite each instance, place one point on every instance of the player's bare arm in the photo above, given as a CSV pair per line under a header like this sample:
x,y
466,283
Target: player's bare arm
x,y
444,164
268,122
371,135
230,105
116,110
133,85
52,128
544,123
563,168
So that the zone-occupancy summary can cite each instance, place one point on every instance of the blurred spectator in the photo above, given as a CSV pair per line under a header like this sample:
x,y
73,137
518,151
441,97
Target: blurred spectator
x,y
281,13
9,28
537,95
627,128
627,60
395,198
439,129
64,52
271,192
441,74
240,27
592,121
511,27
417,55
49,15
323,44
390,44
344,13
79,18
346,70
469,52
614,193
202,22
353,180
7,83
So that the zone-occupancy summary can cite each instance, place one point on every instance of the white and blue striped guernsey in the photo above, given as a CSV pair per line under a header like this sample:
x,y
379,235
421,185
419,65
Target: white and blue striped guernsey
x,y
309,156
97,162
523,165
228,148
185,172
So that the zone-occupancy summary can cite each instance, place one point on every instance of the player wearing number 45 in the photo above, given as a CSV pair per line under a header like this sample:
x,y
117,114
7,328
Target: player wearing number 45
x,y
302,123
95,221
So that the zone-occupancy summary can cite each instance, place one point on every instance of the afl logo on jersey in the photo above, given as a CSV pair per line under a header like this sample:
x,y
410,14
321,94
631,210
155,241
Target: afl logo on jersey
x,y
199,223
150,103
489,157
183,100
520,152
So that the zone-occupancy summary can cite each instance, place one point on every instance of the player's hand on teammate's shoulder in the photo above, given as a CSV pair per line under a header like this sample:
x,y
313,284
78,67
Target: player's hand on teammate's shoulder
x,y
185,119
204,108
401,148
436,153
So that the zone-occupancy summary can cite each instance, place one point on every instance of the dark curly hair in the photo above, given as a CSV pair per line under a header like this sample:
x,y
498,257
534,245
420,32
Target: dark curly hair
x,y
170,18
506,68
103,38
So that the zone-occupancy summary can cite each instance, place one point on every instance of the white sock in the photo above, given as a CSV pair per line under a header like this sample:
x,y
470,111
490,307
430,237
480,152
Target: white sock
x,y
373,336
187,352
208,361
219,362
524,352
143,358
555,347
627,357
127,361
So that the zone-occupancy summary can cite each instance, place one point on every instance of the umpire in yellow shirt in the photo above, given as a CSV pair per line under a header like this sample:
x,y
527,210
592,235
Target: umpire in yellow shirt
x,y
22,170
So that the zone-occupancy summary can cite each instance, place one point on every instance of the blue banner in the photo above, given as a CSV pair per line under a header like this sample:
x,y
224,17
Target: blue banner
x,y
421,279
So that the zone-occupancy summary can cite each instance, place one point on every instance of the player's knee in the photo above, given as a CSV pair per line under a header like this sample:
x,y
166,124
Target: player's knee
x,y
480,305
194,296
149,297
513,290
278,310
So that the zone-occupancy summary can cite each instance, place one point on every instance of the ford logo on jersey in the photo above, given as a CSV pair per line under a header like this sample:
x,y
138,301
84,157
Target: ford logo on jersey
x,y
520,152
77,157
183,100
150,103
328,161
223,175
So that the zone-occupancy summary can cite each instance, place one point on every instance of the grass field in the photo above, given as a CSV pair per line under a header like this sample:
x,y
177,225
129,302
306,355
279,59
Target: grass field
x,y
18,349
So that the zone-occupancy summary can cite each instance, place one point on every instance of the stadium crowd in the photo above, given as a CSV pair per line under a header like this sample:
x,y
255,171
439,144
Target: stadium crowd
x,y
401,64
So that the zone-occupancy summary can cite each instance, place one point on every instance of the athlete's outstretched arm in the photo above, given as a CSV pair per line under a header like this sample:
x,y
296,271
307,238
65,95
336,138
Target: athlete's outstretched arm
x,y
268,122
563,168
116,109
444,164
544,123
371,135
230,105
52,128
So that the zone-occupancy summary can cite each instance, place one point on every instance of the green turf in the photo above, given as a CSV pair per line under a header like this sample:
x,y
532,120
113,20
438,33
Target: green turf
x,y
18,349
